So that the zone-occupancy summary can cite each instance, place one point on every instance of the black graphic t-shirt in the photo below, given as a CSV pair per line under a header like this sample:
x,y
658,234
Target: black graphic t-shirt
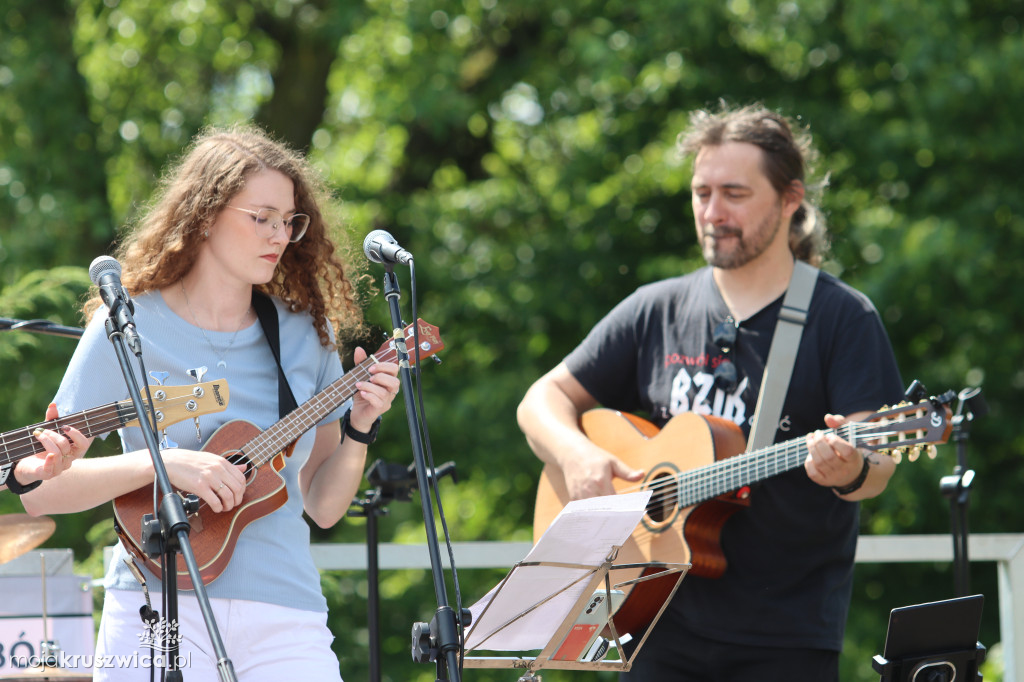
x,y
790,554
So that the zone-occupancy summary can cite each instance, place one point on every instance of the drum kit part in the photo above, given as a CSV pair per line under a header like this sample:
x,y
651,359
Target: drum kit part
x,y
21,533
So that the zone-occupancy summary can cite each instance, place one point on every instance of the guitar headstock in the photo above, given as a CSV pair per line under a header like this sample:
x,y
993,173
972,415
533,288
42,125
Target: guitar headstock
x,y
429,338
905,428
178,403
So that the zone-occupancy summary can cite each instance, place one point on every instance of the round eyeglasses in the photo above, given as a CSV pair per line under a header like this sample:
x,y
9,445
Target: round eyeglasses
x,y
266,222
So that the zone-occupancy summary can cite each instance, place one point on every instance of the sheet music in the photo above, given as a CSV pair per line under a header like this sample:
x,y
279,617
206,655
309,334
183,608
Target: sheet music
x,y
584,533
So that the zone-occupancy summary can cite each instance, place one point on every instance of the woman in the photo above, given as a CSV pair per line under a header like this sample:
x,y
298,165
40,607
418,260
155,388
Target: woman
x,y
239,213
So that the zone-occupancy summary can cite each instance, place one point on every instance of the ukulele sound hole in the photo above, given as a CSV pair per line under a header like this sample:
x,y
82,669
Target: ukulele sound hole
x,y
664,489
239,457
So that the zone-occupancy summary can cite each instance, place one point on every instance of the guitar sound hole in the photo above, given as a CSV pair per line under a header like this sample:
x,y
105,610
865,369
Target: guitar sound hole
x,y
665,492
238,457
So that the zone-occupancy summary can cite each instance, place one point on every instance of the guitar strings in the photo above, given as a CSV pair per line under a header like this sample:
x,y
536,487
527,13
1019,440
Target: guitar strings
x,y
675,492
766,456
739,461
262,448
97,420
678,493
725,469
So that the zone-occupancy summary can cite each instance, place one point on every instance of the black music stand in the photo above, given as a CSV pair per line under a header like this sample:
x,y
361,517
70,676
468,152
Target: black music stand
x,y
933,642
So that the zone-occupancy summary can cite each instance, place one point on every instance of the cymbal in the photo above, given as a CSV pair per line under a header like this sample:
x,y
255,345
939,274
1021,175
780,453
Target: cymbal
x,y
20,533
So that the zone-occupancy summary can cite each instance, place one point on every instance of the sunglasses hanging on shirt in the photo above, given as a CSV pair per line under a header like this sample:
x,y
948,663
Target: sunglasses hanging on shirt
x,y
724,336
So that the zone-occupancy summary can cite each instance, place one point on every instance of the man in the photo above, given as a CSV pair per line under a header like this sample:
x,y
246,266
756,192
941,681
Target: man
x,y
778,611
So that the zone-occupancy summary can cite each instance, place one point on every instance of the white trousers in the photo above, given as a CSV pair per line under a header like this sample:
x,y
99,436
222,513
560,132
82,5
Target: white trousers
x,y
265,642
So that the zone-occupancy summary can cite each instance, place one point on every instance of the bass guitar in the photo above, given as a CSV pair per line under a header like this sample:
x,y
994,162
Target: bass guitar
x,y
214,535
699,478
172,404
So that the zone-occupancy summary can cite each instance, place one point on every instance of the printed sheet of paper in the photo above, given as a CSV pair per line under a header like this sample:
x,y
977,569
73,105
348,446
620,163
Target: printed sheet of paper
x,y
584,534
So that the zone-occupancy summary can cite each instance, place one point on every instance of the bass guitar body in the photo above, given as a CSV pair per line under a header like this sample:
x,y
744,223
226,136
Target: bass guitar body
x,y
668,532
214,535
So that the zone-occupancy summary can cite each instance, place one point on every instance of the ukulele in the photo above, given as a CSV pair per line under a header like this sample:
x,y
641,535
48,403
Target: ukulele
x,y
172,404
699,478
214,535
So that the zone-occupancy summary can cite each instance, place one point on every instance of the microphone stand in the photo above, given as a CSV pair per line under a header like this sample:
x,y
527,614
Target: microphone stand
x,y
957,486
170,534
443,628
39,327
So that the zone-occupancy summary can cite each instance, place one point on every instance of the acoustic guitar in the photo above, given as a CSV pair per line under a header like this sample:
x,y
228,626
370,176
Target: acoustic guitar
x,y
172,404
699,478
214,535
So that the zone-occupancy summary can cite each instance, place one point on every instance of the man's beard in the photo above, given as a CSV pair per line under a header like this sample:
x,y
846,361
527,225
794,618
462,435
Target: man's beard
x,y
747,248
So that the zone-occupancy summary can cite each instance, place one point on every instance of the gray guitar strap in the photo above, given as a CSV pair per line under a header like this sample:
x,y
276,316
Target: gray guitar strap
x,y
782,355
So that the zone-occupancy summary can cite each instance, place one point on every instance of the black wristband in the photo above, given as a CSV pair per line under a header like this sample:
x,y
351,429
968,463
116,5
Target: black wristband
x,y
17,488
358,436
857,482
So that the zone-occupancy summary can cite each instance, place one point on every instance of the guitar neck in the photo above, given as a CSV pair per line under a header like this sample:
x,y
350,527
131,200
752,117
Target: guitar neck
x,y
708,482
20,443
290,428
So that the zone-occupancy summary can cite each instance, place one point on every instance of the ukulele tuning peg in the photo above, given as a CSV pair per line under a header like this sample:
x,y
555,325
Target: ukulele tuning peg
x,y
897,455
932,452
915,452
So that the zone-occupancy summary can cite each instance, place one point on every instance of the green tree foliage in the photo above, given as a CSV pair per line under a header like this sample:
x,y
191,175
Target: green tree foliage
x,y
524,151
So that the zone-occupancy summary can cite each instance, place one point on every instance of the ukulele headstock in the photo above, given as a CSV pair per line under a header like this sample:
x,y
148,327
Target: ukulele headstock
x,y
430,343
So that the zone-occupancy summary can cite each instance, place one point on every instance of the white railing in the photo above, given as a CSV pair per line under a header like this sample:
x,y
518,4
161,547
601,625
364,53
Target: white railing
x,y
1006,549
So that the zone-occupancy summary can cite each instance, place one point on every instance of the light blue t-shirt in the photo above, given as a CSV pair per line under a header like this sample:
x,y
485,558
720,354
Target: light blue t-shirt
x,y
272,561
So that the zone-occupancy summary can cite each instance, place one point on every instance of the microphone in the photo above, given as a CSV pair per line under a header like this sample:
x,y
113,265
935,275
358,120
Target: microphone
x,y
380,247
105,272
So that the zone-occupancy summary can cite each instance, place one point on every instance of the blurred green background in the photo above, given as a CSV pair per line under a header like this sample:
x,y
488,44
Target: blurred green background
x,y
523,150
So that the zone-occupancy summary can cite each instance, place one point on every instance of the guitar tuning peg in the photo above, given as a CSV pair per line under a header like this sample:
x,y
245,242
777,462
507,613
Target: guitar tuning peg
x,y
932,452
915,452
897,455
197,374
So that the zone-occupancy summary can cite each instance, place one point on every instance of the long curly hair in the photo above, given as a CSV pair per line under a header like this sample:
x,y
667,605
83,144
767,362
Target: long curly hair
x,y
159,248
789,155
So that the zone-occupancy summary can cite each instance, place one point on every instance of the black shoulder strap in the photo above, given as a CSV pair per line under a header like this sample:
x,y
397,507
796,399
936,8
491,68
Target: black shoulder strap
x,y
267,314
